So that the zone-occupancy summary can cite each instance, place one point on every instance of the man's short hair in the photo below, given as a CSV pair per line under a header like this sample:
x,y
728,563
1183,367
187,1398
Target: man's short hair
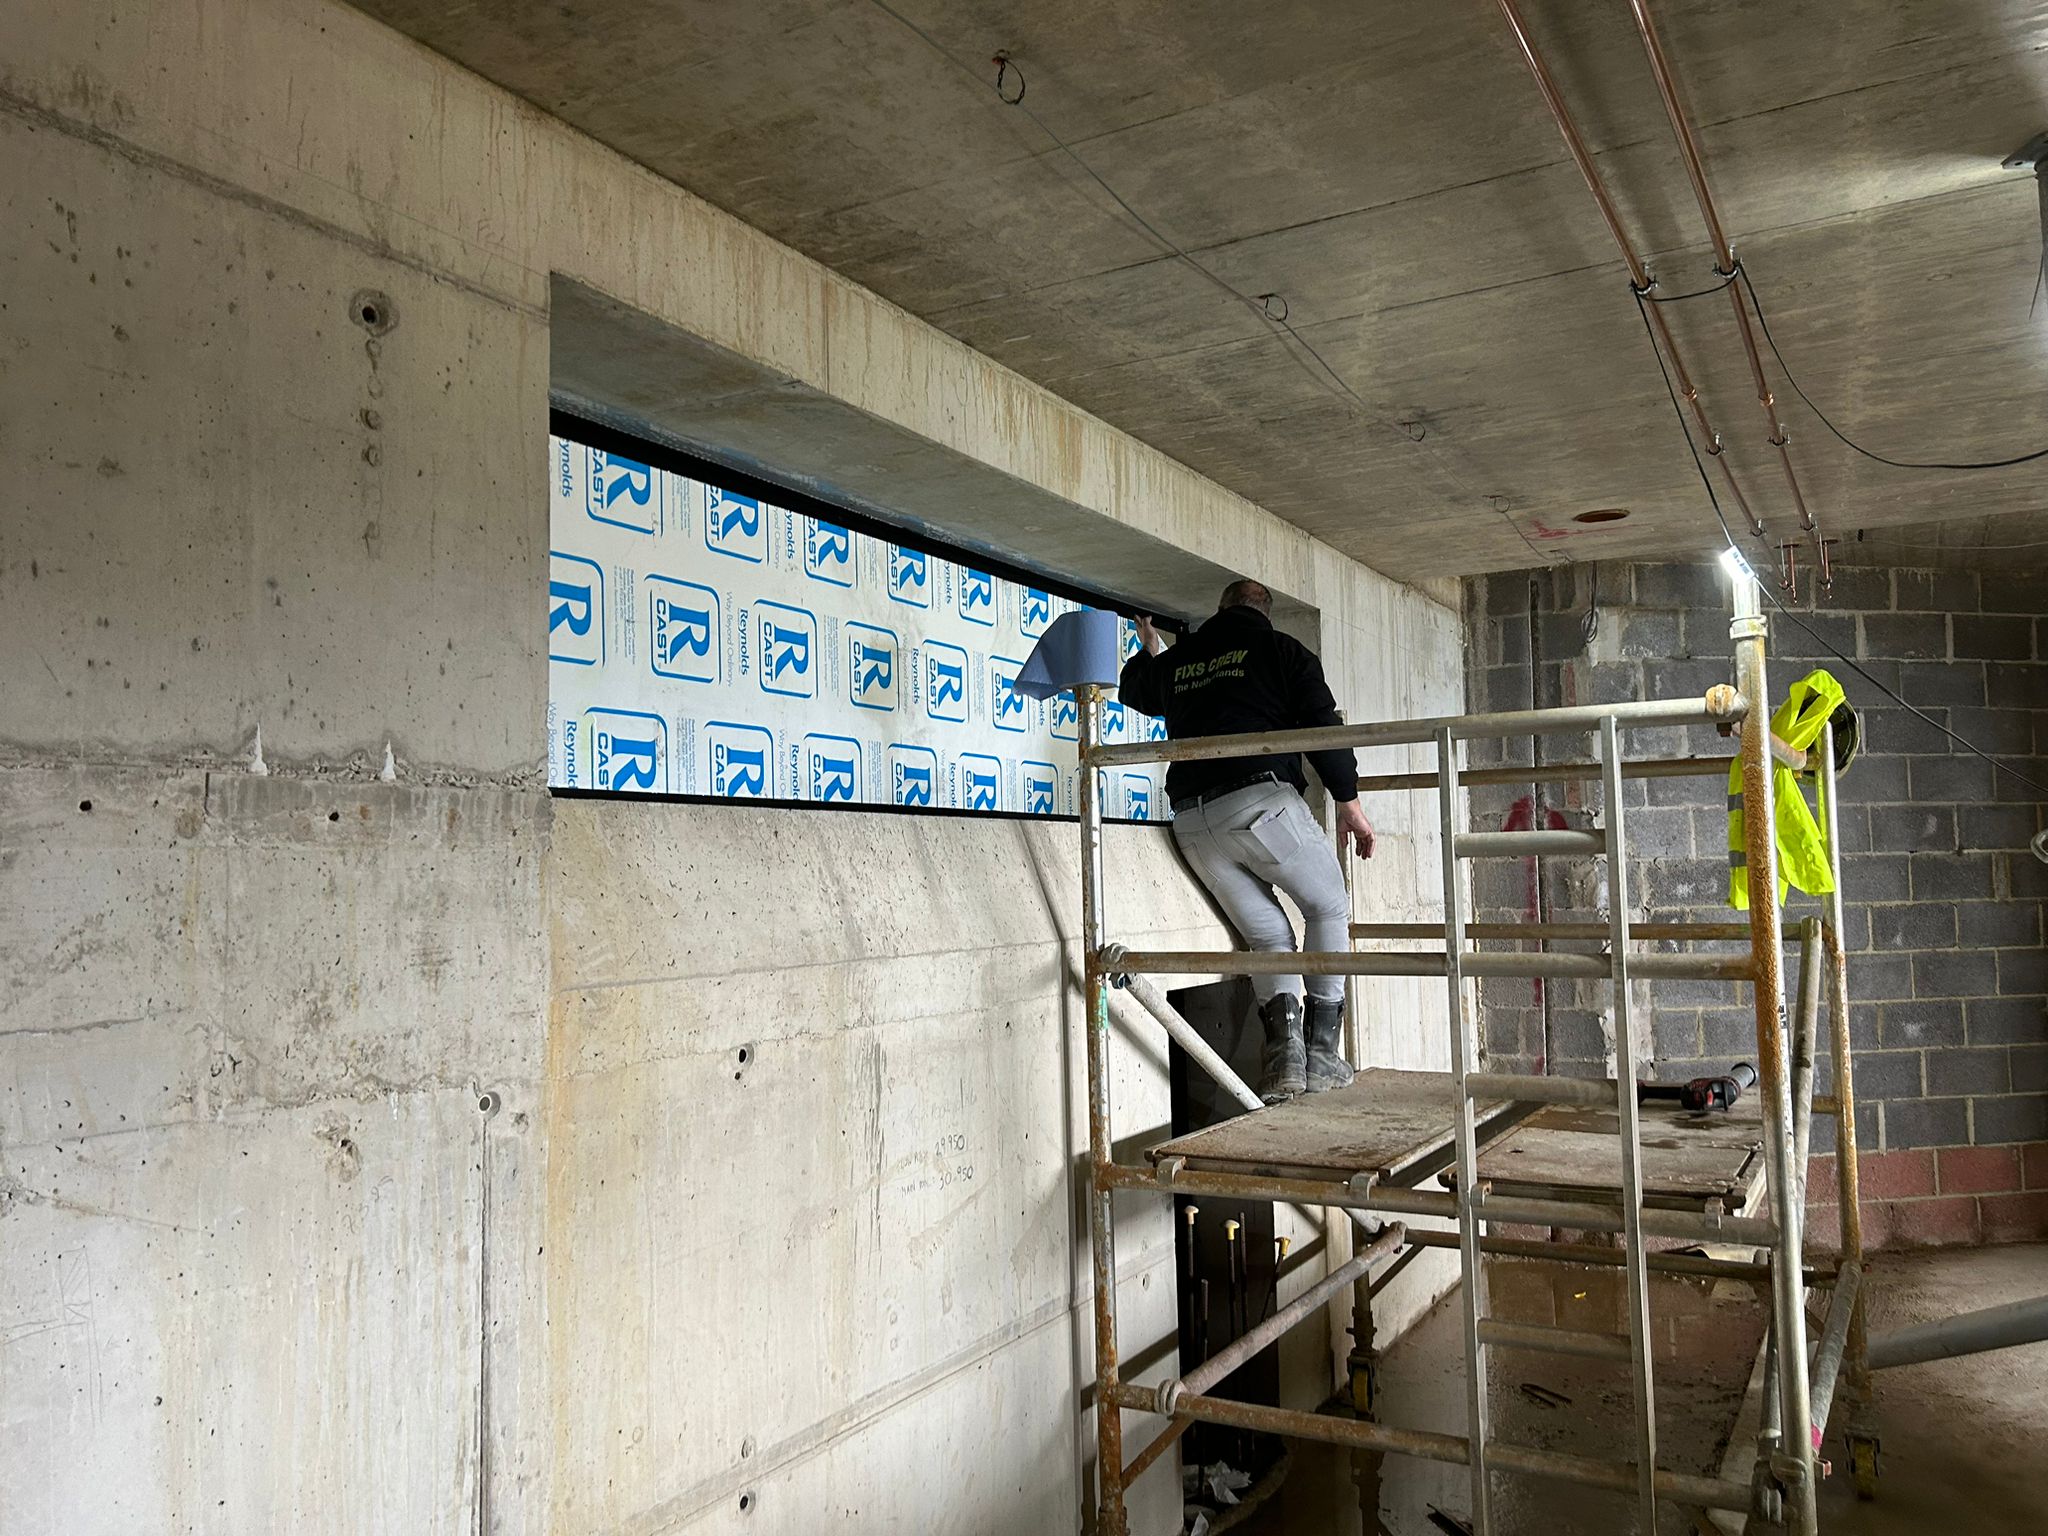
x,y
1246,593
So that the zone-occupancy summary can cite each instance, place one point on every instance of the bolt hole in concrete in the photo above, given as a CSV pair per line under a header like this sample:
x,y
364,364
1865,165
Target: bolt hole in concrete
x,y
334,815
85,805
487,1103
746,1055
372,310
746,1503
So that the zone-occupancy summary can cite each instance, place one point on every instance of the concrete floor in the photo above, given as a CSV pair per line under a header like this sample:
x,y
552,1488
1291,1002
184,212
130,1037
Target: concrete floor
x,y
1961,1439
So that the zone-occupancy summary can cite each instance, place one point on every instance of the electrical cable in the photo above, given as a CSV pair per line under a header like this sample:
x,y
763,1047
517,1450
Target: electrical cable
x,y
1750,287
1680,298
1850,662
1960,549
1698,463
1813,634
1261,305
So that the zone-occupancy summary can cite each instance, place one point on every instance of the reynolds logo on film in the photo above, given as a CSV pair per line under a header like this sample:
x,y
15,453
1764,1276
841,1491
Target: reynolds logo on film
x,y
628,751
912,771
1041,783
980,782
739,760
945,682
829,769
1004,699
786,644
620,491
1137,797
575,610
683,619
828,552
871,655
977,596
1034,612
1066,717
1113,714
733,525
910,576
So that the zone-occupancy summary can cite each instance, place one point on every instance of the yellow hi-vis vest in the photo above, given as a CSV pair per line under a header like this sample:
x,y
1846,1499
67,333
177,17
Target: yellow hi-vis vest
x,y
1802,845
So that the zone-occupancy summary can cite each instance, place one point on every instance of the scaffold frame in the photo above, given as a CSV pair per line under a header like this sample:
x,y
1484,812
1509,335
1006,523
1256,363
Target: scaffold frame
x,y
1781,1485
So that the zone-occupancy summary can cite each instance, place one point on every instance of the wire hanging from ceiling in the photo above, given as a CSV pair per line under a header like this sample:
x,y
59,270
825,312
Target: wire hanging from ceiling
x,y
1785,368
1262,305
1679,298
1813,634
1956,549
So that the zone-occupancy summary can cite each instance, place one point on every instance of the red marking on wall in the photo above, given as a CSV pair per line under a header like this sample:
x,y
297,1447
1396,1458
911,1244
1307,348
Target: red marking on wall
x,y
1521,817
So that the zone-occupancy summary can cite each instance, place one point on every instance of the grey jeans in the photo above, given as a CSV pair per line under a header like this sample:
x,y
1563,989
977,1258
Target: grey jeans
x,y
1244,844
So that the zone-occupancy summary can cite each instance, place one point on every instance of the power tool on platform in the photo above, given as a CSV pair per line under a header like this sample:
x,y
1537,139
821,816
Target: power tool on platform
x,y
1703,1092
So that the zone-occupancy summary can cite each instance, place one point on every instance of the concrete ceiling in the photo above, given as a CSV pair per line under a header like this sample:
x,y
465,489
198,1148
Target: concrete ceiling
x,y
1389,170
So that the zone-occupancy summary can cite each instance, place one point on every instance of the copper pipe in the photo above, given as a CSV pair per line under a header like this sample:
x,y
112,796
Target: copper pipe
x,y
1724,252
1779,438
1688,146
1638,273
1547,87
1756,524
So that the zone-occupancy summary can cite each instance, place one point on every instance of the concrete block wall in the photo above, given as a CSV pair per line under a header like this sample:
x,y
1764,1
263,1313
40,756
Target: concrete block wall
x,y
380,1157
1948,976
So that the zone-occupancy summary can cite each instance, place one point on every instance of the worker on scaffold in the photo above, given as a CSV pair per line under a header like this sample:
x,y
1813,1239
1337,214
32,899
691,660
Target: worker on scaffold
x,y
1242,824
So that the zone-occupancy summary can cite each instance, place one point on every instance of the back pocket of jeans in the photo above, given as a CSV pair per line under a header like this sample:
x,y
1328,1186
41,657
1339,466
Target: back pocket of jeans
x,y
1274,835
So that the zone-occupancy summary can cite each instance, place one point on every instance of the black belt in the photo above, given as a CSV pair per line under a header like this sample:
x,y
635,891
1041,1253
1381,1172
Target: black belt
x,y
1189,802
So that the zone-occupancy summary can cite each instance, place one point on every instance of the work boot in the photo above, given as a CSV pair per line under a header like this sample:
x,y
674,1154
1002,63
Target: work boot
x,y
1284,1064
1327,1067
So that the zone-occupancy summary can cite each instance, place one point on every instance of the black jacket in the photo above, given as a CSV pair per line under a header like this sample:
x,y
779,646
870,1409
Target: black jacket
x,y
1238,673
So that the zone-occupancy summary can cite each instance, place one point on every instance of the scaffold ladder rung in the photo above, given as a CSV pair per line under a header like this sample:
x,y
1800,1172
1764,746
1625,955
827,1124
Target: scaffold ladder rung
x,y
1780,1484
1481,1329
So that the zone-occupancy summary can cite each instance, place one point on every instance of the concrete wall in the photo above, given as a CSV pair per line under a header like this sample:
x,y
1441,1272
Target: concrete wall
x,y
379,1157
1943,906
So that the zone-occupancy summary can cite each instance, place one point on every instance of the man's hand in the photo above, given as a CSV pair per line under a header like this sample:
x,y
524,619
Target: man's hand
x,y
1148,636
1351,823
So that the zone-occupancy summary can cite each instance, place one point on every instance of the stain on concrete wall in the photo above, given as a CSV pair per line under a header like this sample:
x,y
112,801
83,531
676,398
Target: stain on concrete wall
x,y
379,1157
